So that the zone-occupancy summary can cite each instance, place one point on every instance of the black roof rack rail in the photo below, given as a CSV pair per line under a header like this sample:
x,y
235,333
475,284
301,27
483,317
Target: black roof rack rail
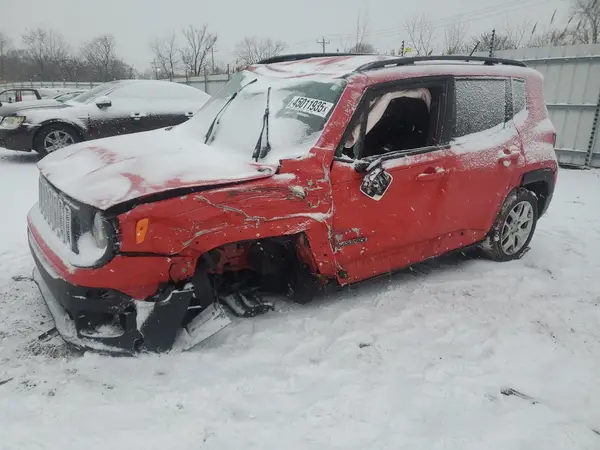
x,y
301,56
411,60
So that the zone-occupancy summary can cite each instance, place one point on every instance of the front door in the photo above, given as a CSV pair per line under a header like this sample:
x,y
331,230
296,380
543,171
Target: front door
x,y
123,116
372,235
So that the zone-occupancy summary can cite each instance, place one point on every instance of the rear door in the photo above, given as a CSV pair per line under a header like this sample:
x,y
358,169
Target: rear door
x,y
172,104
489,154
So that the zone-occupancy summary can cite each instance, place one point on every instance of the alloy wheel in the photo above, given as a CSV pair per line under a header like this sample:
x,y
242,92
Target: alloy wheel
x,y
517,228
57,139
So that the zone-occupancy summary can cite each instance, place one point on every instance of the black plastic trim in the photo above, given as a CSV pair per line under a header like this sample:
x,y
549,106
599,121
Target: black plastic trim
x,y
301,56
82,304
408,61
541,175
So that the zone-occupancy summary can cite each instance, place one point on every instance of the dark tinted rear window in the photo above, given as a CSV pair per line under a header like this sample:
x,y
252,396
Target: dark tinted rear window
x,y
480,105
518,94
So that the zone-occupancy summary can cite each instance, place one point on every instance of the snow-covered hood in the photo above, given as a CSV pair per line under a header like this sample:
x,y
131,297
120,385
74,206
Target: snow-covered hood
x,y
107,172
8,109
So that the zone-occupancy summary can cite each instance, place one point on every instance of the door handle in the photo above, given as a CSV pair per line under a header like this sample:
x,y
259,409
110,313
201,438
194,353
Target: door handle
x,y
509,155
137,115
189,114
433,174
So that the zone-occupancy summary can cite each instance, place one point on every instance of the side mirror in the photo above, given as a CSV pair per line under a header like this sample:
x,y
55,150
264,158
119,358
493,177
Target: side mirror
x,y
376,182
362,166
103,102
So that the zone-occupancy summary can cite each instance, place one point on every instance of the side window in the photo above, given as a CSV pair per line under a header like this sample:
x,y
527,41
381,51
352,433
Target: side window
x,y
399,121
518,95
5,95
480,105
27,95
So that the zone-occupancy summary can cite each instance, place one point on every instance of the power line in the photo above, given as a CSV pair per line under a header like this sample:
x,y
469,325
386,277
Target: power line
x,y
490,11
497,10
477,14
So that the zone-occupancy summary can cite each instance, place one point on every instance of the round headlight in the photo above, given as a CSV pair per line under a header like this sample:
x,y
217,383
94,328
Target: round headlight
x,y
99,231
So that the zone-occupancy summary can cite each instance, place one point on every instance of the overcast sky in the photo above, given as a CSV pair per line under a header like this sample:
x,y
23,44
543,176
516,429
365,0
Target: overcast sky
x,y
134,23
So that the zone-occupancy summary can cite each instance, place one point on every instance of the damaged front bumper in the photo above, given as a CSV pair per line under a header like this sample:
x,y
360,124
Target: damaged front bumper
x,y
108,320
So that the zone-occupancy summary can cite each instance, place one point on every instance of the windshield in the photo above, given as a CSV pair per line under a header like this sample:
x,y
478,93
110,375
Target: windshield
x,y
66,96
299,110
102,89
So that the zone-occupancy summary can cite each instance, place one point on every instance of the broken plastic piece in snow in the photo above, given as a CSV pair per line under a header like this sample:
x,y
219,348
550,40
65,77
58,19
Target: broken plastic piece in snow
x,y
203,326
511,391
5,381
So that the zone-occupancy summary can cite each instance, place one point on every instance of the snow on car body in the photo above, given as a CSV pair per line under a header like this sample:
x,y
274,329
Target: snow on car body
x,y
302,171
110,109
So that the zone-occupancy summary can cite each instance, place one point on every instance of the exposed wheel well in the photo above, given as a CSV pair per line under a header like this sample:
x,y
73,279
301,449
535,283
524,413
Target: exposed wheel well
x,y
272,264
541,190
541,183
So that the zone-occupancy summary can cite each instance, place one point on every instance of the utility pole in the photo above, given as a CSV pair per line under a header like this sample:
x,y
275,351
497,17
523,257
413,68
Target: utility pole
x,y
212,53
492,42
323,42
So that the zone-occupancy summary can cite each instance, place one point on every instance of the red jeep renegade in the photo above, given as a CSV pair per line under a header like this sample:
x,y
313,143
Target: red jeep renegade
x,y
302,171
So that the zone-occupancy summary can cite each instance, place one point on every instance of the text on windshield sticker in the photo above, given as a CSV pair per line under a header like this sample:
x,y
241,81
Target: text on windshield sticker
x,y
310,106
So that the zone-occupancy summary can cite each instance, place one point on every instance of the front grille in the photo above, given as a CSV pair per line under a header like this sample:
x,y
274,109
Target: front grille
x,y
56,211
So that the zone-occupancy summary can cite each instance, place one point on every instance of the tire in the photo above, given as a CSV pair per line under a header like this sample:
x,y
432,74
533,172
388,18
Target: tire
x,y
54,132
507,241
303,286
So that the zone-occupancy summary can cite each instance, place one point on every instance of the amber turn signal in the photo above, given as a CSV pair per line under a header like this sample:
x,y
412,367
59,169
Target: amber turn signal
x,y
141,228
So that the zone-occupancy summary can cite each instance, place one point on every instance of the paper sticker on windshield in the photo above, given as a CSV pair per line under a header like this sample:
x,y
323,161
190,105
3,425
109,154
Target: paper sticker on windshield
x,y
310,106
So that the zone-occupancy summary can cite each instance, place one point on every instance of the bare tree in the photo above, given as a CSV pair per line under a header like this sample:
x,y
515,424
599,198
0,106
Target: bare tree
x,y
198,44
34,41
420,33
518,33
166,55
552,38
99,53
45,48
147,74
356,42
513,37
4,47
252,49
588,27
362,47
500,42
455,39
71,68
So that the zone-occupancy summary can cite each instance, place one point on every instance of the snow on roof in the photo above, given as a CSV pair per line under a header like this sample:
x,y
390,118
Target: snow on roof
x,y
340,66
331,66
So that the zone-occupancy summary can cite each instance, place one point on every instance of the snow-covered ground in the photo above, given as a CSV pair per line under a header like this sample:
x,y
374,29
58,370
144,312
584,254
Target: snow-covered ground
x,y
417,360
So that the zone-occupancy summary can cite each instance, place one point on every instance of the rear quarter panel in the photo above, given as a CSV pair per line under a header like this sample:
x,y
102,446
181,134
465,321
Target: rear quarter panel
x,y
537,131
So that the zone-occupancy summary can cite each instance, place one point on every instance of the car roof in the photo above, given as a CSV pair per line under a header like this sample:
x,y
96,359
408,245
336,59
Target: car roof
x,y
332,66
379,67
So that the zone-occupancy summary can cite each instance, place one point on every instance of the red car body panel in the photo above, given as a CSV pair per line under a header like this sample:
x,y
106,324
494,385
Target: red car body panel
x,y
438,201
